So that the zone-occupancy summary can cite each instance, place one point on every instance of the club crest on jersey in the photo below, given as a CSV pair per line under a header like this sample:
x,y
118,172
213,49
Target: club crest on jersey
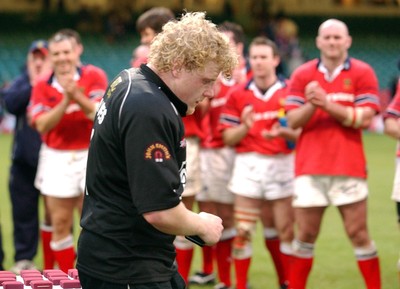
x,y
157,152
347,83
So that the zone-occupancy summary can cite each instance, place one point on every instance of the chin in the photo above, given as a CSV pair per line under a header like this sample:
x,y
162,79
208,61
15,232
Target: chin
x,y
190,110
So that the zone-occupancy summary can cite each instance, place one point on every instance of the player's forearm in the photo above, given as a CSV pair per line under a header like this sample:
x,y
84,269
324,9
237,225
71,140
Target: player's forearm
x,y
177,221
88,106
297,118
392,128
357,117
47,121
289,133
233,135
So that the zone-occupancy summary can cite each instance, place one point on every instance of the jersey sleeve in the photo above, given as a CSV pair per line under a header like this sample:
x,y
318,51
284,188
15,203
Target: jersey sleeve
x,y
367,89
38,104
393,109
150,137
295,91
98,83
231,111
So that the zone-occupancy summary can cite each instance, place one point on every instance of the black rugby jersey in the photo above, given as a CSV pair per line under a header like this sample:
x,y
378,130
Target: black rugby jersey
x,y
136,164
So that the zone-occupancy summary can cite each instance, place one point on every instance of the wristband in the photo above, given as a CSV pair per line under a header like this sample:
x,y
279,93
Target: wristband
x,y
349,120
358,117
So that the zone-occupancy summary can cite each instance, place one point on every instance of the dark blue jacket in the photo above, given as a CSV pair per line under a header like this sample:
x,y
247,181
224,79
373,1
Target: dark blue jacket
x,y
27,140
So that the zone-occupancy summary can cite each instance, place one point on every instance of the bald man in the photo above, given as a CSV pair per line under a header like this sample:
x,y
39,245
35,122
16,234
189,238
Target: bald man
x,y
139,55
332,99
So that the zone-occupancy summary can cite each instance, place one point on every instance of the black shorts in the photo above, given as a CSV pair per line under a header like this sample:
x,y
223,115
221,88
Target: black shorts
x,y
89,282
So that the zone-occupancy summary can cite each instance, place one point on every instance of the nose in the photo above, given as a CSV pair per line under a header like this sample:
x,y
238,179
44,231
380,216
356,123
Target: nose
x,y
62,57
38,61
209,92
146,40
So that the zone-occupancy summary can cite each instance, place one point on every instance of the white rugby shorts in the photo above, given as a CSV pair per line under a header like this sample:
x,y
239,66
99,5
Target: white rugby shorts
x,y
216,168
322,191
61,173
264,177
396,182
193,176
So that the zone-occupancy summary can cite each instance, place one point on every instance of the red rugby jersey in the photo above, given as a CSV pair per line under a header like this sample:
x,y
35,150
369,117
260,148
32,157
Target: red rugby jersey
x,y
266,108
210,124
193,124
393,111
73,130
325,146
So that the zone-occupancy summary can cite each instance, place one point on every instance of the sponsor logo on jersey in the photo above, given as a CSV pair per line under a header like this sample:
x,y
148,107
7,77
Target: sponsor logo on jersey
x,y
335,97
217,102
101,113
157,152
266,115
113,86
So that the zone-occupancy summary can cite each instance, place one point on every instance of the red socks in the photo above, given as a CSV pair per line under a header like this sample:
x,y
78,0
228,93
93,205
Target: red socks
x,y
65,258
242,268
184,261
64,253
208,259
224,261
370,270
46,232
368,263
299,270
273,246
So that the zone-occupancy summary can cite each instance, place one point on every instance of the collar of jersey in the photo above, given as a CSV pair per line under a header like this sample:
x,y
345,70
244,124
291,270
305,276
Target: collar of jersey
x,y
180,105
77,75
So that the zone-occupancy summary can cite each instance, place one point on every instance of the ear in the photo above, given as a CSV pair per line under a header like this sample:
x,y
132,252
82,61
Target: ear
x,y
240,48
349,42
176,69
277,60
317,42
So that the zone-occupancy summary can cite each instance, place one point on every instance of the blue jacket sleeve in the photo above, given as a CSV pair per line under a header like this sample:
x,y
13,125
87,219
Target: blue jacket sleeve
x,y
16,96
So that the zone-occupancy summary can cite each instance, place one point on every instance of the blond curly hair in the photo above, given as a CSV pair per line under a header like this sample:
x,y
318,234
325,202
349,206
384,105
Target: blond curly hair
x,y
191,43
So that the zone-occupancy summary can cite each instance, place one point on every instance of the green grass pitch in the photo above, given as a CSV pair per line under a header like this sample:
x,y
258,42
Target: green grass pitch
x,y
334,265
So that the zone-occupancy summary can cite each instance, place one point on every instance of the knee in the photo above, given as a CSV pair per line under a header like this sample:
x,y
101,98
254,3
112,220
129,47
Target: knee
x,y
286,231
61,224
359,236
242,248
228,222
227,217
246,220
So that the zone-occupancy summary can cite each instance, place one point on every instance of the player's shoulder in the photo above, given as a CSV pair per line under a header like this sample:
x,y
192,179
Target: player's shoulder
x,y
43,82
359,64
306,68
238,90
91,69
138,90
241,86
